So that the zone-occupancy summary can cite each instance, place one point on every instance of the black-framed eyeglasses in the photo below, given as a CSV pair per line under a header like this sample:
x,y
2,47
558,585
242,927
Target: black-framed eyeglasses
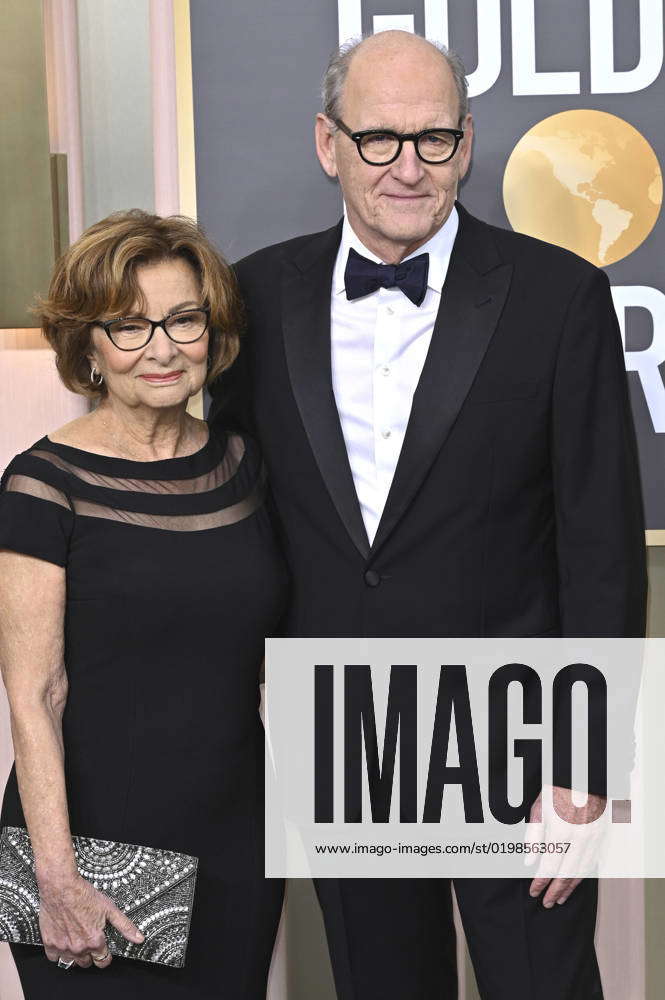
x,y
131,333
379,147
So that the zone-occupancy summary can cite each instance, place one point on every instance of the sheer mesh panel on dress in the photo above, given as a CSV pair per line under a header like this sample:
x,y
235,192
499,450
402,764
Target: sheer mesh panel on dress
x,y
221,474
36,488
176,522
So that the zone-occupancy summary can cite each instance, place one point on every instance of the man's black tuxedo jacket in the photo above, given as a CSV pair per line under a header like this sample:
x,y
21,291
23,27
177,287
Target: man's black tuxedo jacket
x,y
515,508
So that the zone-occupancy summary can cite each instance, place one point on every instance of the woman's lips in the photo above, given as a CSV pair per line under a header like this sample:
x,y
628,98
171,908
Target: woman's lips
x,y
167,377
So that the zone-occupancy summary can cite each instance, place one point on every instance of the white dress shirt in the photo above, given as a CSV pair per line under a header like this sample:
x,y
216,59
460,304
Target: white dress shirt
x,y
379,344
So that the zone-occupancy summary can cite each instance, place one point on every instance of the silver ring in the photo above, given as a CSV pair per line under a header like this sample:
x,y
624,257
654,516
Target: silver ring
x,y
65,965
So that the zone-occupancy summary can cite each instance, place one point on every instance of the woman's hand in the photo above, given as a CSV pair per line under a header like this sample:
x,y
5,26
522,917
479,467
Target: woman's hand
x,y
72,918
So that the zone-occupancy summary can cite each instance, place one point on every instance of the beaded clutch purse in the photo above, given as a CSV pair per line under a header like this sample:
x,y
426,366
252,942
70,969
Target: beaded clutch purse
x,y
154,888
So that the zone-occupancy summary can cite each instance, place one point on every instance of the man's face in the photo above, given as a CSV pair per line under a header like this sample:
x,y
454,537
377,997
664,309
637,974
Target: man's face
x,y
404,85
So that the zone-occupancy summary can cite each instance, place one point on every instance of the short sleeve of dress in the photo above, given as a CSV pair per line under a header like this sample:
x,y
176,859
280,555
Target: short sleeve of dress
x,y
36,517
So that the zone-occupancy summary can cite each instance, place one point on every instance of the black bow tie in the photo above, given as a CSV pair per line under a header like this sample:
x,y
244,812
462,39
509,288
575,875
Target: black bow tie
x,y
363,276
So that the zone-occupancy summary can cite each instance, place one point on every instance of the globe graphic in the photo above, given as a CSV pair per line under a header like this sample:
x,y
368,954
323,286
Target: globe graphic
x,y
587,181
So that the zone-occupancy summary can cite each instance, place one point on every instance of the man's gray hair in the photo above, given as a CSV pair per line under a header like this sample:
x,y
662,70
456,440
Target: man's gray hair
x,y
335,77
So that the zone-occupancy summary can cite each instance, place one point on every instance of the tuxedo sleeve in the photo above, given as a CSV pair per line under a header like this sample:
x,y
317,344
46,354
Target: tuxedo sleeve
x,y
598,502
231,406
599,514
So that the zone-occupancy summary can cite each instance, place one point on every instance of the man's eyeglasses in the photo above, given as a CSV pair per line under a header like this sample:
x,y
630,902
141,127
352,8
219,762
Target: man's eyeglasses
x,y
378,147
131,333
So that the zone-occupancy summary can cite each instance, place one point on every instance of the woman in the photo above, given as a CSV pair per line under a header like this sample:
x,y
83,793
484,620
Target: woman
x,y
138,578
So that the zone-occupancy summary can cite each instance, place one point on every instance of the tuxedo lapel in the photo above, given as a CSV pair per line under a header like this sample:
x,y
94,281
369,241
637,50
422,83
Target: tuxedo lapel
x,y
306,291
472,300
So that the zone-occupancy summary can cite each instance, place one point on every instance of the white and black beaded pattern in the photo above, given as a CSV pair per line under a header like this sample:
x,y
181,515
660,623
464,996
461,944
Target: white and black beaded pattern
x,y
154,888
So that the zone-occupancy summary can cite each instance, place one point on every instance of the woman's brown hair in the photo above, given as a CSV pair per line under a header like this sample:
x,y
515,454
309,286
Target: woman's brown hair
x,y
96,277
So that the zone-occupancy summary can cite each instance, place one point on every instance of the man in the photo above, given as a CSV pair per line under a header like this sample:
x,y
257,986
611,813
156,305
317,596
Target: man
x,y
444,415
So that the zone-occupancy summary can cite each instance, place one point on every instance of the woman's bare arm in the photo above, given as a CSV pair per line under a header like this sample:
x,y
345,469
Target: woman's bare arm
x,y
32,608
73,913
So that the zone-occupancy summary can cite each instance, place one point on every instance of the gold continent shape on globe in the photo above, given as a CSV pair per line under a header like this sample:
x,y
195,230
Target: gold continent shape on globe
x,y
587,181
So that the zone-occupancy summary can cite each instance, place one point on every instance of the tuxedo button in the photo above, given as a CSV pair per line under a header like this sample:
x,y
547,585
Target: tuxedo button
x,y
372,578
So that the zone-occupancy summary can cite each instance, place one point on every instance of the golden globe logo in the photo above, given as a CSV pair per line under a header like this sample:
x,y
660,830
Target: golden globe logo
x,y
587,181
590,182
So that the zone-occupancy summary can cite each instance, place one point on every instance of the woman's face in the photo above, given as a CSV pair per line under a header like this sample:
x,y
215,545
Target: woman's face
x,y
162,374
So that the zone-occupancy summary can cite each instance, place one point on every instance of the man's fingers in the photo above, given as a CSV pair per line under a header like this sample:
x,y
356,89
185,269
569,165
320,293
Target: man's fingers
x,y
574,884
122,923
555,889
559,891
537,886
534,834
536,814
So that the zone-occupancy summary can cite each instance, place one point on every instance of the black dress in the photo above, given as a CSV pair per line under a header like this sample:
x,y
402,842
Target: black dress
x,y
173,581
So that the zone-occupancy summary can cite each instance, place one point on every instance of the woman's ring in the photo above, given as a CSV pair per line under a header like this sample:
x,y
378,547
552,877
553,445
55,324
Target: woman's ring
x,y
65,965
100,958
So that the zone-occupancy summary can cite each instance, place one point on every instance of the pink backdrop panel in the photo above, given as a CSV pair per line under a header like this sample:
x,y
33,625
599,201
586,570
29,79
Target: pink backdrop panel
x,y
33,401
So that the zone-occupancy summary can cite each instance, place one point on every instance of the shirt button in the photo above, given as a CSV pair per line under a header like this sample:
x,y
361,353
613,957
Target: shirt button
x,y
390,310
385,434
372,578
385,369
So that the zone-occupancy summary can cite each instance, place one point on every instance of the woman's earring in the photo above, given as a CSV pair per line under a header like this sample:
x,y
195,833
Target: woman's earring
x,y
93,373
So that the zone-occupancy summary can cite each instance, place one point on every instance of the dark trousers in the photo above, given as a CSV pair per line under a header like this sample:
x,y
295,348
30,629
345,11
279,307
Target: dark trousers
x,y
394,939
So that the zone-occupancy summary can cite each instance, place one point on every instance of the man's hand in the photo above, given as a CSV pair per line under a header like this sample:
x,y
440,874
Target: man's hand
x,y
560,810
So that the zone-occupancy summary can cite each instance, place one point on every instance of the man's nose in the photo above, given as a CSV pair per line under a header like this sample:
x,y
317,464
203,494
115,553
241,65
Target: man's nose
x,y
408,167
